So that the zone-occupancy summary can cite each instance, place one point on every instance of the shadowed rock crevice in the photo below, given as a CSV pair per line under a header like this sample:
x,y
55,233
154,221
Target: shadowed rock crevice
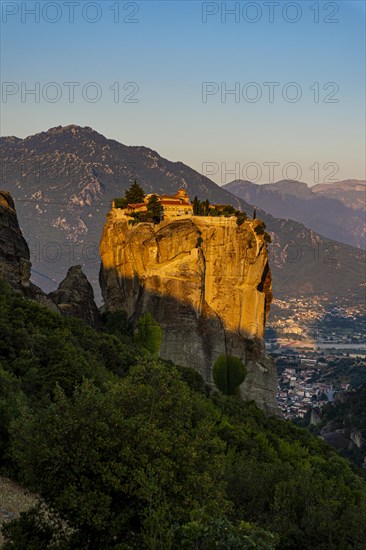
x,y
260,286
265,286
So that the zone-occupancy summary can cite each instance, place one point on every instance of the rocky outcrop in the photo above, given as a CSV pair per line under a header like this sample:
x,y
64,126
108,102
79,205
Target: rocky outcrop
x,y
357,439
345,439
206,281
315,417
75,297
15,262
336,439
346,430
14,251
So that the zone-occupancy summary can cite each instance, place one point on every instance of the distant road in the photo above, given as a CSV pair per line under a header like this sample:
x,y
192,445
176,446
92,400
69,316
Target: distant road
x,y
341,346
321,345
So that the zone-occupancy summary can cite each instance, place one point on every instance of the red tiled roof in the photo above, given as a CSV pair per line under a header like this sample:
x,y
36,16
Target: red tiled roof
x,y
175,202
136,205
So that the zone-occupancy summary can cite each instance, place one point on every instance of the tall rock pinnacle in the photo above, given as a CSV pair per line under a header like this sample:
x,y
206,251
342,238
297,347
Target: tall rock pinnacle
x,y
205,280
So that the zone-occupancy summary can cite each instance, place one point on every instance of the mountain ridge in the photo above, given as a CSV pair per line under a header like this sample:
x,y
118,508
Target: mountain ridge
x,y
321,210
64,180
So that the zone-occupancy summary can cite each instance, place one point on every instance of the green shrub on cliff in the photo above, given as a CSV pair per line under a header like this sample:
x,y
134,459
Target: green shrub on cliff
x,y
149,334
240,218
228,373
135,193
347,414
120,202
154,209
259,229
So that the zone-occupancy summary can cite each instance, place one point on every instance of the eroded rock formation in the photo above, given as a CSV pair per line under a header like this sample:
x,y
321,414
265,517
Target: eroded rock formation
x,y
14,251
75,297
15,262
205,280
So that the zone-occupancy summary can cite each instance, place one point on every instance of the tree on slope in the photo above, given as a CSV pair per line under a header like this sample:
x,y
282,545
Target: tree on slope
x,y
135,193
228,373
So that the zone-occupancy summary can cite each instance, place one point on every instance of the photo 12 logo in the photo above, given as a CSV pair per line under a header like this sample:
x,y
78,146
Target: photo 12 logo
x,y
291,252
270,171
270,12
269,92
52,252
71,91
70,12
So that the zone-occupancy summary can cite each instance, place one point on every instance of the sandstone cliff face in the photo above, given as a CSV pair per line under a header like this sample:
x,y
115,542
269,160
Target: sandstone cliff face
x,y
205,280
75,297
15,262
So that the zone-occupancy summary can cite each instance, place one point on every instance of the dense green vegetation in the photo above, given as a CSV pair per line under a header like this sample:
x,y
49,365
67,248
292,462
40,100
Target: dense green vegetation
x,y
228,373
260,230
130,452
133,195
149,334
154,209
204,208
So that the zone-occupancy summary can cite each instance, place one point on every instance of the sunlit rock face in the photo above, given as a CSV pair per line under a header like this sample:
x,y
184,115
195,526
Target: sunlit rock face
x,y
205,280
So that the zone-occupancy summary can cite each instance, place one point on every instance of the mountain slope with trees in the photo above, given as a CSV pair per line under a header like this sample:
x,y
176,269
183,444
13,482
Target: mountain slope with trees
x,y
127,451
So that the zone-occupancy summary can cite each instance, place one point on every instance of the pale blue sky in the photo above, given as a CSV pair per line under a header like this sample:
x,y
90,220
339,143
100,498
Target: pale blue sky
x,y
169,53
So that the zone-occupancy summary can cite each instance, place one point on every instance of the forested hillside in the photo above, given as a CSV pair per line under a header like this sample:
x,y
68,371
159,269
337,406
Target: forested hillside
x,y
343,424
127,451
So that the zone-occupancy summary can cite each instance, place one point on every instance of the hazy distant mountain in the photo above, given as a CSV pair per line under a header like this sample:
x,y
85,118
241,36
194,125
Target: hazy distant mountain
x,y
63,182
298,189
335,210
352,193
